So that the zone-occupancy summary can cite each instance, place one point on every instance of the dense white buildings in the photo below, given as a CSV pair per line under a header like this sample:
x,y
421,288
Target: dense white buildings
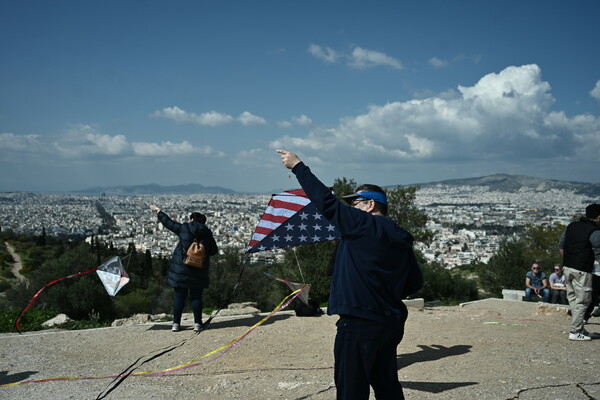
x,y
465,219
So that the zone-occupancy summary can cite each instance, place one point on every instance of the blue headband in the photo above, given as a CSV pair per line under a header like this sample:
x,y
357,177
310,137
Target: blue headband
x,y
375,196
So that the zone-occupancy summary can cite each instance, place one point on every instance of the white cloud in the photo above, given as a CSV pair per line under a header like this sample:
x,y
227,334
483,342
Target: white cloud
x,y
12,142
437,63
302,120
504,116
284,124
168,148
106,144
326,54
247,119
82,142
359,57
251,157
211,118
595,92
363,58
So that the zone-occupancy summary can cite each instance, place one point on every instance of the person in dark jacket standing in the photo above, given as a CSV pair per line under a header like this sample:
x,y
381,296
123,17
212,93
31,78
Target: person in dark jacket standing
x,y
580,246
375,268
183,278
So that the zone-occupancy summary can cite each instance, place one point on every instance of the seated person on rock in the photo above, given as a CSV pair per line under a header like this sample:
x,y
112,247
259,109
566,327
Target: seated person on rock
x,y
536,282
558,286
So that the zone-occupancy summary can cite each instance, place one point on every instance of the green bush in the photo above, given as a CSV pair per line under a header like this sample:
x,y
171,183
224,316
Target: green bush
x,y
446,286
5,285
30,321
133,303
253,286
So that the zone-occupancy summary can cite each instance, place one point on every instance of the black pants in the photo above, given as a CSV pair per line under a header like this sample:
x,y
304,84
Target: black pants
x,y
365,355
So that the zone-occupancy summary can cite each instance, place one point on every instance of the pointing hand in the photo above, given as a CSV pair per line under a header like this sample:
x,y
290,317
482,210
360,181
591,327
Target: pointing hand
x,y
288,159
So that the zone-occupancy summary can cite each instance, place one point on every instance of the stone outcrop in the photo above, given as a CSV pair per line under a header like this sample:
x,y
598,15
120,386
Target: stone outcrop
x,y
60,319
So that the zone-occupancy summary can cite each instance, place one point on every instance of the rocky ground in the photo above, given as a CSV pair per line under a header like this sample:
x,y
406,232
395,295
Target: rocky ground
x,y
491,349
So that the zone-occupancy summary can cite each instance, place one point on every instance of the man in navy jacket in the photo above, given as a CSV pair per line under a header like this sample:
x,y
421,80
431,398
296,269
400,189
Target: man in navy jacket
x,y
375,268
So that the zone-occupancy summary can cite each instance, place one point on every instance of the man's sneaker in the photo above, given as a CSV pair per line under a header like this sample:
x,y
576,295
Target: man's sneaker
x,y
592,335
176,327
197,327
596,312
578,336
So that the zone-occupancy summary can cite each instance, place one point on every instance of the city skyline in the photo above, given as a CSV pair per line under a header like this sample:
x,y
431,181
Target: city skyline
x,y
120,94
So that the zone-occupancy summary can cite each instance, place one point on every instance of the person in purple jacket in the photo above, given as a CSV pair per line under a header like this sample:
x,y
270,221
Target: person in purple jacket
x,y
375,268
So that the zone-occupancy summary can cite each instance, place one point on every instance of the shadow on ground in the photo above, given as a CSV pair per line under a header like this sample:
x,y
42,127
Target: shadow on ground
x,y
6,378
431,353
435,387
248,321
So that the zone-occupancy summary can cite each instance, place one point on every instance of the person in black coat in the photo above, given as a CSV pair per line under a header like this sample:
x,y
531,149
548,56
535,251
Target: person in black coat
x,y
183,278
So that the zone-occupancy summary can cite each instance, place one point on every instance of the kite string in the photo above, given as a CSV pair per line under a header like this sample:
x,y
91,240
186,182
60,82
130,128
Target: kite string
x,y
129,371
298,263
35,296
193,363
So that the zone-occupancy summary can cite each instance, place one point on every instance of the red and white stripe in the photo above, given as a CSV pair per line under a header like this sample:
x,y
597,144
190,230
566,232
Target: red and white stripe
x,y
281,207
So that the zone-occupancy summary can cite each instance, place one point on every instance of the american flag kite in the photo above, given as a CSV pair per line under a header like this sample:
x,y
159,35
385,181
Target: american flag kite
x,y
290,220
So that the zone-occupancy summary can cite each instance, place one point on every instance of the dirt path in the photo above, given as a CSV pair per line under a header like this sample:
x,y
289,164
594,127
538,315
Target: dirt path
x,y
492,349
16,267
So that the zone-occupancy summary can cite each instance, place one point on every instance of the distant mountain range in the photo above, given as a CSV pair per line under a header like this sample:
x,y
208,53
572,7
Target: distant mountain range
x,y
514,183
153,188
498,182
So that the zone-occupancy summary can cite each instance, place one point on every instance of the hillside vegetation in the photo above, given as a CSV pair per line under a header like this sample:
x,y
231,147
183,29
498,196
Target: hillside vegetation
x,y
84,299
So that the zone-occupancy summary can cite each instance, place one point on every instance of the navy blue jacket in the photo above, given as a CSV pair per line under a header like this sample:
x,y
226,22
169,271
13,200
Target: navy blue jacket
x,y
179,274
375,267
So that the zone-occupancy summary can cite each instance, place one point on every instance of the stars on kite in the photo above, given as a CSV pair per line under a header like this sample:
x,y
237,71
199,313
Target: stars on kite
x,y
302,226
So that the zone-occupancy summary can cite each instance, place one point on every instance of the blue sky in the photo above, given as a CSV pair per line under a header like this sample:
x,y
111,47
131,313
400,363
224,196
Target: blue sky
x,y
390,92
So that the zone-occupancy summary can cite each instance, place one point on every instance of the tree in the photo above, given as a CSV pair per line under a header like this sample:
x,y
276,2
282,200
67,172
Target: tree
x,y
441,284
79,298
343,186
403,210
41,240
225,271
507,268
541,244
309,264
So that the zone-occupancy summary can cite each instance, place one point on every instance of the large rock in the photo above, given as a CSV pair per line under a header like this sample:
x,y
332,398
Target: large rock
x,y
416,304
137,319
60,319
246,308
547,308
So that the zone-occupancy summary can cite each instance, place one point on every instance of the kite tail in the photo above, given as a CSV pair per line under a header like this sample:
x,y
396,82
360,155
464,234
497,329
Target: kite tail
x,y
35,296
